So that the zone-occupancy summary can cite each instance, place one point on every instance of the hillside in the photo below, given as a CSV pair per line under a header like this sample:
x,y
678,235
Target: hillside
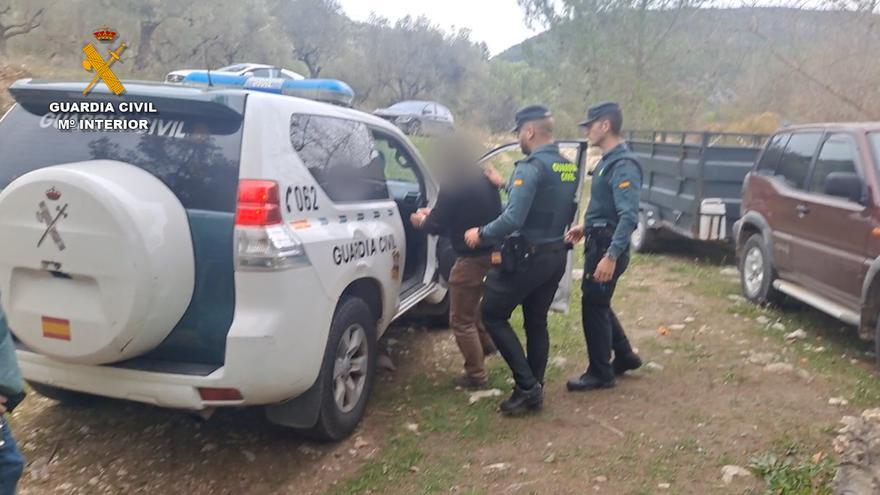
x,y
713,67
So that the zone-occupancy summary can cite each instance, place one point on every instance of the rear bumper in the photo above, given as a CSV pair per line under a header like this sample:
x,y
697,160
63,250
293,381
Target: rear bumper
x,y
274,352
160,389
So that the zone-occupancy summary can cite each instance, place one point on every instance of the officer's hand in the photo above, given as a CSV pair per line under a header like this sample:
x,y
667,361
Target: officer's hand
x,y
417,219
472,237
604,270
574,235
3,400
493,176
424,211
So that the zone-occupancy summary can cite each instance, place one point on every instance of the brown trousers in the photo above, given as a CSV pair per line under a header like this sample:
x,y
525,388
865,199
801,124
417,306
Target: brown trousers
x,y
465,292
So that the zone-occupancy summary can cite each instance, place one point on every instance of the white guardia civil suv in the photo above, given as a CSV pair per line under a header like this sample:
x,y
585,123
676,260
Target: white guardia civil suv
x,y
247,248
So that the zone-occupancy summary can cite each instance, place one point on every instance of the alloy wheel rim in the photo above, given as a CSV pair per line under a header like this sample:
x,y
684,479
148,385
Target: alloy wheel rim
x,y
350,368
753,271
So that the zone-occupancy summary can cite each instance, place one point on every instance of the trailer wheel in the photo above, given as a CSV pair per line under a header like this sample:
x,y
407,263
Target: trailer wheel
x,y
643,239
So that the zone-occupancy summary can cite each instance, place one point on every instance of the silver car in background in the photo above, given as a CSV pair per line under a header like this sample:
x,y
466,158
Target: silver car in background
x,y
426,118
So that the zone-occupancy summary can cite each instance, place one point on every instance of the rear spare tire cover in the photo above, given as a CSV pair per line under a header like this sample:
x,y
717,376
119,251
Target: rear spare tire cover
x,y
96,261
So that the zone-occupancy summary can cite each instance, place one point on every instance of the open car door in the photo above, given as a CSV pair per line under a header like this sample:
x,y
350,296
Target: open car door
x,y
504,158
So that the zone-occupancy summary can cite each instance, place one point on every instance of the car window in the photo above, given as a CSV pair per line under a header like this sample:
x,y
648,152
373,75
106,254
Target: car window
x,y
260,72
429,109
398,163
283,75
838,154
341,155
874,138
772,154
795,162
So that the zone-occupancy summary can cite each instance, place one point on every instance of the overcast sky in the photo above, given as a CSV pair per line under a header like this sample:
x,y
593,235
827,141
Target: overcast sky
x,y
498,23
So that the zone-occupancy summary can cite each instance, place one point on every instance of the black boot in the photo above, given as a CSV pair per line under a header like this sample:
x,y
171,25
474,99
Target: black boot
x,y
587,382
523,400
626,362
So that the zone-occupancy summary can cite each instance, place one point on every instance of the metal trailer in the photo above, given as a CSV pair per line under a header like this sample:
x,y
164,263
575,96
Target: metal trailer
x,y
692,183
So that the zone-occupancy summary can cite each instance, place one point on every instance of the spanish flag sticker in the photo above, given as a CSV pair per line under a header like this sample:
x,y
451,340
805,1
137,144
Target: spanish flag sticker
x,y
624,184
517,182
56,328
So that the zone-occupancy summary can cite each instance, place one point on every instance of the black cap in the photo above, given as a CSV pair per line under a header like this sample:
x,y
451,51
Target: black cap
x,y
596,112
530,113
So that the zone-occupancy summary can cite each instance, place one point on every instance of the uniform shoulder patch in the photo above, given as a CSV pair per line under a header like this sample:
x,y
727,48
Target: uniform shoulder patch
x,y
517,182
624,184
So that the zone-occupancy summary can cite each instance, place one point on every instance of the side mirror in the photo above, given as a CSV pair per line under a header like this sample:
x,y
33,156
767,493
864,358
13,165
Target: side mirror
x,y
845,185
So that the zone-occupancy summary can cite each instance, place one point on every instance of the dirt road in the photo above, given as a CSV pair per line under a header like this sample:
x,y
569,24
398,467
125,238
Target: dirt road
x,y
724,388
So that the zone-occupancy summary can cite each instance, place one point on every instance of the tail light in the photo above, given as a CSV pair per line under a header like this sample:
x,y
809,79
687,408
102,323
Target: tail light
x,y
219,394
263,241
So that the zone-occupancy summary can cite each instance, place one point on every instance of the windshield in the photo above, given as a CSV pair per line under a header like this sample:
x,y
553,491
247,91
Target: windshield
x,y
408,106
233,68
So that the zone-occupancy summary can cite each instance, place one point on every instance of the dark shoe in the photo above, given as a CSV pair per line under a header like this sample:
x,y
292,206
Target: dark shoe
x,y
587,382
489,351
626,362
523,401
468,383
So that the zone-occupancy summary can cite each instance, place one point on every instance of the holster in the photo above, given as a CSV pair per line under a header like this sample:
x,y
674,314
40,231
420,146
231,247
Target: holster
x,y
512,254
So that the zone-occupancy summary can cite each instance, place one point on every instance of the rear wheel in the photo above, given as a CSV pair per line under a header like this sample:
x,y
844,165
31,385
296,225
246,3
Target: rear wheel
x,y
348,371
63,396
643,239
415,128
756,272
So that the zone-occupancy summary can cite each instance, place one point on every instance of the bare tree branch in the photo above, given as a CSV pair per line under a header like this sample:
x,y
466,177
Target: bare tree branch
x,y
806,74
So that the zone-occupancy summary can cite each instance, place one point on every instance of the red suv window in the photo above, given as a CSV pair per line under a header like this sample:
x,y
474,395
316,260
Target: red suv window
x,y
838,155
795,163
771,156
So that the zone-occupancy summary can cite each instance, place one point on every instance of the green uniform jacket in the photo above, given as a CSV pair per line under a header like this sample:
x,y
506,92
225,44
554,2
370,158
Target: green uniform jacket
x,y
541,199
10,376
614,196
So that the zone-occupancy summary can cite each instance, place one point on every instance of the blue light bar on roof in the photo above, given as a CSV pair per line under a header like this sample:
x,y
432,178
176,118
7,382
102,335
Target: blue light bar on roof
x,y
326,90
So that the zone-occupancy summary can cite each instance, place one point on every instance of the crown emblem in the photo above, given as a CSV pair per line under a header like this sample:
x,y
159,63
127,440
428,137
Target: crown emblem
x,y
105,34
53,194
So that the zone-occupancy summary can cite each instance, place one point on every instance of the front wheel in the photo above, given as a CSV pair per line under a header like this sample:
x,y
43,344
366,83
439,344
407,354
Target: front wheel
x,y
756,272
415,128
348,371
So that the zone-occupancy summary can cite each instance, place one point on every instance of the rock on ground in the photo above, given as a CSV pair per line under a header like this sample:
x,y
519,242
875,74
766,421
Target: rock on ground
x,y
858,446
729,472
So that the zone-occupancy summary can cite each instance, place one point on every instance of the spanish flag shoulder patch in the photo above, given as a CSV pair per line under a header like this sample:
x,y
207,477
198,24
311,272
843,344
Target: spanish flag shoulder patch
x,y
624,184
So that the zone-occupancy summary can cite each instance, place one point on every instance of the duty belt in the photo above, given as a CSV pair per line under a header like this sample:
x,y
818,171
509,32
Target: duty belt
x,y
599,230
550,247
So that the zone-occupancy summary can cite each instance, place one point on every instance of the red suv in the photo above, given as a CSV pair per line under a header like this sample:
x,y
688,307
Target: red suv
x,y
810,225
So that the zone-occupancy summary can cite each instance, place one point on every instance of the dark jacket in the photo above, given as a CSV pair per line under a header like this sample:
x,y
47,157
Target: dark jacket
x,y
469,202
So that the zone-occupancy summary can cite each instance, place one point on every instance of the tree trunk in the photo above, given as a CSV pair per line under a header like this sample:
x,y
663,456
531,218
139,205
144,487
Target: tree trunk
x,y
145,45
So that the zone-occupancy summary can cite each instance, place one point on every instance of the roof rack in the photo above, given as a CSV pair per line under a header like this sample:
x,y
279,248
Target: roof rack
x,y
324,90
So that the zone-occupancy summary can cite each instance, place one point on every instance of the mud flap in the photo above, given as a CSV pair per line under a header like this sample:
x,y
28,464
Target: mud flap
x,y
301,411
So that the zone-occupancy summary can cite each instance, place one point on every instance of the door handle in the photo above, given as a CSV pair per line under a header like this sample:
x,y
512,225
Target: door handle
x,y
803,210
